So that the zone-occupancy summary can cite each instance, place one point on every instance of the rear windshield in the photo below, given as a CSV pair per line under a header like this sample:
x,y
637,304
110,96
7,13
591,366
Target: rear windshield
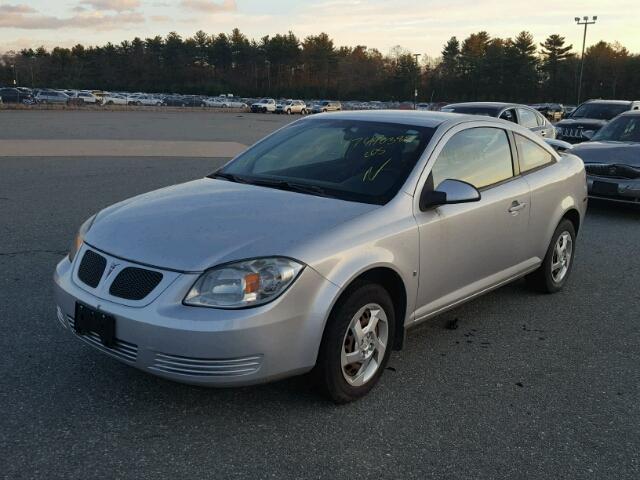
x,y
488,111
622,129
600,111
347,159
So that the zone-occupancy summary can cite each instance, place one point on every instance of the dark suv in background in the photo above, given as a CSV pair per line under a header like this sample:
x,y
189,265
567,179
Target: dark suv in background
x,y
14,95
582,124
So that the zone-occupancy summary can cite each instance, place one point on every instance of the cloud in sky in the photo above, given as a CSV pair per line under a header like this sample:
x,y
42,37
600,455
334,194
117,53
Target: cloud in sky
x,y
210,6
112,5
33,20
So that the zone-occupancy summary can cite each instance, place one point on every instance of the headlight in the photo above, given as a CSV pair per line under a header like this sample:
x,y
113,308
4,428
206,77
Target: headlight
x,y
248,283
588,133
77,241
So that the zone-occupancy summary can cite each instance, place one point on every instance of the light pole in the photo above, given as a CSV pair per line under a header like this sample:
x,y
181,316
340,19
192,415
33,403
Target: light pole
x,y
15,75
415,85
586,22
268,64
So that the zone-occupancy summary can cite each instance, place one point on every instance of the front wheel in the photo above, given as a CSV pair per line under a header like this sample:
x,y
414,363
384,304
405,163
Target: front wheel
x,y
357,343
554,272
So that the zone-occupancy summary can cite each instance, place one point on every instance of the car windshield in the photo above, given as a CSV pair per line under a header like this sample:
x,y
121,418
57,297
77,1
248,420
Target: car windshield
x,y
622,129
346,159
600,111
491,112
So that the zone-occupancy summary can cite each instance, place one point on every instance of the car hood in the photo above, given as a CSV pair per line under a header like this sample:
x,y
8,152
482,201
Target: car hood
x,y
199,224
586,123
609,153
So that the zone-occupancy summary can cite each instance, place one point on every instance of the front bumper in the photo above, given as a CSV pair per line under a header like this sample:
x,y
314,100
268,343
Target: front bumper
x,y
206,346
614,189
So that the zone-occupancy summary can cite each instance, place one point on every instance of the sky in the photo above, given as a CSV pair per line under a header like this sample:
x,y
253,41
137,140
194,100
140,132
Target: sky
x,y
422,26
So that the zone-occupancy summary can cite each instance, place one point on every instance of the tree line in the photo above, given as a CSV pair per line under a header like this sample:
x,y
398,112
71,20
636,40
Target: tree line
x,y
480,67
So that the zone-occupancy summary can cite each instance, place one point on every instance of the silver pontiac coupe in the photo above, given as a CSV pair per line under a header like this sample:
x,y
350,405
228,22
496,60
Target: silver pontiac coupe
x,y
320,246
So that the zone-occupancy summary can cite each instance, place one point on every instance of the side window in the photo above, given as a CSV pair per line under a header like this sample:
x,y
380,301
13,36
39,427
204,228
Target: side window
x,y
479,156
509,115
541,120
527,118
531,155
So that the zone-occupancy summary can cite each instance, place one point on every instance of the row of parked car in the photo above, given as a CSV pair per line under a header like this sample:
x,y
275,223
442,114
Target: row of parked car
x,y
27,96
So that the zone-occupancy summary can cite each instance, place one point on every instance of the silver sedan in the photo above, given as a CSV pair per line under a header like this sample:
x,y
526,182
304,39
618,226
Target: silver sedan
x,y
320,246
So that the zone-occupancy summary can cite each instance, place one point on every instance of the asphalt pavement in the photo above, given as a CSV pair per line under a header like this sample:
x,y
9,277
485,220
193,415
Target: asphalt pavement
x,y
514,385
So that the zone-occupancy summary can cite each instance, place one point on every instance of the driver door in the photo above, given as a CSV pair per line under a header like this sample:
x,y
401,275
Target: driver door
x,y
469,247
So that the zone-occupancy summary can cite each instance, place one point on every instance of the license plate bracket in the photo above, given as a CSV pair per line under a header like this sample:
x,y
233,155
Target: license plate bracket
x,y
88,319
604,188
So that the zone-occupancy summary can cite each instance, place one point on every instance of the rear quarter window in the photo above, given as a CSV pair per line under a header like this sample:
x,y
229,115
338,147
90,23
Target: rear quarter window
x,y
531,155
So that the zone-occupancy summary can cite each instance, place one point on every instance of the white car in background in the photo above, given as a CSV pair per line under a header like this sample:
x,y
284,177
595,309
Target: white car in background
x,y
114,99
146,100
291,106
223,102
86,97
264,105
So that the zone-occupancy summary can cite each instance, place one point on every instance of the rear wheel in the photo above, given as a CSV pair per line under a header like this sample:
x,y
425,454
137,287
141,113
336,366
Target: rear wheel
x,y
556,267
357,343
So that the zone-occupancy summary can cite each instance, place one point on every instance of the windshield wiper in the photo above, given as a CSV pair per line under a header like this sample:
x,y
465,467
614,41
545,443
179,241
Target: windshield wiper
x,y
228,176
290,186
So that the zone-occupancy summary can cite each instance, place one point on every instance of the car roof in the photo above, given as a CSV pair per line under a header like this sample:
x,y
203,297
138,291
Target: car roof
x,y
496,105
616,102
631,113
407,117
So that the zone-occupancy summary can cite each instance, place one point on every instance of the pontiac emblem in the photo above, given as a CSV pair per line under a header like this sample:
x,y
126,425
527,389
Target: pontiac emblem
x,y
112,267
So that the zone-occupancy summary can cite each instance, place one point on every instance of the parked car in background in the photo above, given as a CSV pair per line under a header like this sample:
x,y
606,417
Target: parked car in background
x,y
612,159
512,112
264,105
174,101
292,106
223,102
326,106
552,111
362,233
424,107
52,96
85,97
591,116
14,95
149,101
114,99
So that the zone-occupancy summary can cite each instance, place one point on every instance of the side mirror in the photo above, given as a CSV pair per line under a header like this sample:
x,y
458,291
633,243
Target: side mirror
x,y
558,145
449,192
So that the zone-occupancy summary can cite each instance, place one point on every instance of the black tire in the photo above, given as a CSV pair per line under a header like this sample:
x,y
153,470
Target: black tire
x,y
328,368
542,279
288,111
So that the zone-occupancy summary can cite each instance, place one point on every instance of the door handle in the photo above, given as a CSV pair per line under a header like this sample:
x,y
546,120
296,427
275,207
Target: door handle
x,y
516,206
543,133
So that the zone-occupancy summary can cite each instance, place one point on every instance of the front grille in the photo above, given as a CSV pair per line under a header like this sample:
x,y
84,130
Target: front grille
x,y
204,367
91,268
613,171
134,283
120,349
570,133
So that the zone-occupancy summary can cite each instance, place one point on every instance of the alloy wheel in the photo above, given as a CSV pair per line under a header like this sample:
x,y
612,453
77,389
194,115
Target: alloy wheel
x,y
364,344
561,258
